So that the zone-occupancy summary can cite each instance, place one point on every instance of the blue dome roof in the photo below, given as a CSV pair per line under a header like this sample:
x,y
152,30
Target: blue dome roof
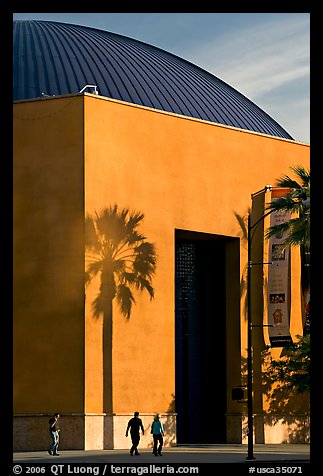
x,y
59,58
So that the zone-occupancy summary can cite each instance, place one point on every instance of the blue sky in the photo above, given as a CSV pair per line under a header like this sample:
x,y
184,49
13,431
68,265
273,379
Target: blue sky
x,y
265,56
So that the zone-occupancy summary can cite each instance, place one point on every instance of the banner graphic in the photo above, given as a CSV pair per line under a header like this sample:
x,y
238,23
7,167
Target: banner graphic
x,y
278,282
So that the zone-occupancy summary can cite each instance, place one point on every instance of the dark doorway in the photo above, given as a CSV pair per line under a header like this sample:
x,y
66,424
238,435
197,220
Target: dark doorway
x,y
200,330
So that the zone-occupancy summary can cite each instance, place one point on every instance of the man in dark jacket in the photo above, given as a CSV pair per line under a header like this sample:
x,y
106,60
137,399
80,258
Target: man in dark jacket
x,y
54,434
135,425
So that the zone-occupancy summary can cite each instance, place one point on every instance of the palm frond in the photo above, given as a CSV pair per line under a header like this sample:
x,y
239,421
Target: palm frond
x,y
147,251
125,299
118,265
144,266
129,278
91,240
93,269
242,222
296,231
133,221
285,204
135,237
296,238
287,182
277,230
301,173
144,284
111,224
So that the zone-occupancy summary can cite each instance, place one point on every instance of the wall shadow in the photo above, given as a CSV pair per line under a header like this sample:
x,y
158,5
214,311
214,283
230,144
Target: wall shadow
x,y
119,255
283,407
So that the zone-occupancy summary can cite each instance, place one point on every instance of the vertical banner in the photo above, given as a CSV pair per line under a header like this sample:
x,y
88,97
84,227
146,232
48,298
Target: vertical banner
x,y
278,280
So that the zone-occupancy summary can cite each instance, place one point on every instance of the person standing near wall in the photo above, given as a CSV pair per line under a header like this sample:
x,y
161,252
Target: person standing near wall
x,y
135,425
54,434
157,430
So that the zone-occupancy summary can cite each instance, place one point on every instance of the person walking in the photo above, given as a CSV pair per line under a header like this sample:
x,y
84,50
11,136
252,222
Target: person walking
x,y
157,430
135,425
54,434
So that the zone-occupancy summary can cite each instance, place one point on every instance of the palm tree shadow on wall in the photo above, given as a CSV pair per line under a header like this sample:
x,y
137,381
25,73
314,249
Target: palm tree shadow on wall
x,y
124,261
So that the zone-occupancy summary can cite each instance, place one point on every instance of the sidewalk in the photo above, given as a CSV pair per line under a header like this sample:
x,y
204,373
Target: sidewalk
x,y
237,453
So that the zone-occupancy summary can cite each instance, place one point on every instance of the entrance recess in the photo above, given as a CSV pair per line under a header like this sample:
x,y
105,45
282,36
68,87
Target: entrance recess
x,y
202,287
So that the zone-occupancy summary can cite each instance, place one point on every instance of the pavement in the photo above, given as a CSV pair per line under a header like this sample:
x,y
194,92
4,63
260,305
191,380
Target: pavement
x,y
188,454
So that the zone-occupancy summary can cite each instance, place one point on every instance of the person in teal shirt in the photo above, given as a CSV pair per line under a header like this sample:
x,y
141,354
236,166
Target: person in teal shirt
x,y
157,430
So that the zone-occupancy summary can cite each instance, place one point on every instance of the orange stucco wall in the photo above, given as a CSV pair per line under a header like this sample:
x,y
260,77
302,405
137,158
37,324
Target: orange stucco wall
x,y
183,174
76,155
48,358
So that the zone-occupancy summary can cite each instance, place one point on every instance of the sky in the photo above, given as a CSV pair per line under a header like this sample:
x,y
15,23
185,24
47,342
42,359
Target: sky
x,y
264,56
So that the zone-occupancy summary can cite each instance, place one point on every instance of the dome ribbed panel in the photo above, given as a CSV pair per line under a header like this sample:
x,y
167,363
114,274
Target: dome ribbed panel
x,y
59,58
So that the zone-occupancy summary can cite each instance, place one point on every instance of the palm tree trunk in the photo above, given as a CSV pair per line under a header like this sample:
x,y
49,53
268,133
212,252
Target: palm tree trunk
x,y
107,359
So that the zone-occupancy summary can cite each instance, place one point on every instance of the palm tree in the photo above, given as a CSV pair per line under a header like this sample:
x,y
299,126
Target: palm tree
x,y
124,262
297,229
